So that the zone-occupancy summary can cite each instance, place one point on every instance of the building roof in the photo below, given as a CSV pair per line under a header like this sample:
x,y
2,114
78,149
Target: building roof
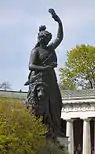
x,y
78,94
66,94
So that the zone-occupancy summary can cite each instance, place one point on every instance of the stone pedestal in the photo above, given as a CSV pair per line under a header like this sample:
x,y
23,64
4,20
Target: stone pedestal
x,y
63,141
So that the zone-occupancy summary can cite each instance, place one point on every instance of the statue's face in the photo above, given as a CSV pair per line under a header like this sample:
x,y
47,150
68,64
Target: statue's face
x,y
44,39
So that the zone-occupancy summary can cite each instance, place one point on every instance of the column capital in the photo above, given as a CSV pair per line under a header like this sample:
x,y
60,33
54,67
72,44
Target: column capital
x,y
69,120
86,119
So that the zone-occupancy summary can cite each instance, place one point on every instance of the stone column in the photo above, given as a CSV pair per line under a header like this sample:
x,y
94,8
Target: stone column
x,y
86,137
94,136
69,134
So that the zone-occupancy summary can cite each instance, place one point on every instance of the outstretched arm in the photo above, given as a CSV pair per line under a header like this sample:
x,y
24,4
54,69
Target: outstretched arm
x,y
59,38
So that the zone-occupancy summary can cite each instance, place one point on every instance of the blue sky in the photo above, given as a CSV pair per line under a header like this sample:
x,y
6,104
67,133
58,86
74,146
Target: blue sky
x,y
19,22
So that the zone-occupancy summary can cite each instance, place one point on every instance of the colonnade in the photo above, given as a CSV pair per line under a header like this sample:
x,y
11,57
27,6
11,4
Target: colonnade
x,y
86,136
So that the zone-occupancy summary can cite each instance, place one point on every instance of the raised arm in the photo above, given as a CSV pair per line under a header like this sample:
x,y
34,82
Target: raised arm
x,y
59,38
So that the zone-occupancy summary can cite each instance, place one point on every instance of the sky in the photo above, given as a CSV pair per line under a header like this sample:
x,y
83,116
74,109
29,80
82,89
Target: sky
x,y
19,23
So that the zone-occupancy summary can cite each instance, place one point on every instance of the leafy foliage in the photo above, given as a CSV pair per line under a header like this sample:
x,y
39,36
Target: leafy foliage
x,y
79,70
20,132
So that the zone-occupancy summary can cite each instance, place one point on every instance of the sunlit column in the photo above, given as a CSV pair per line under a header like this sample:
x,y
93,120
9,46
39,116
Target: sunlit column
x,y
86,137
69,134
94,136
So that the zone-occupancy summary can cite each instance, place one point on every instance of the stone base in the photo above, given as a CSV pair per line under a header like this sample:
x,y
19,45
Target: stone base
x,y
63,141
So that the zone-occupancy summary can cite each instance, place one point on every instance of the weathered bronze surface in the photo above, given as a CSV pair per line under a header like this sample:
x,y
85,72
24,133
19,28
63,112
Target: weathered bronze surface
x,y
44,94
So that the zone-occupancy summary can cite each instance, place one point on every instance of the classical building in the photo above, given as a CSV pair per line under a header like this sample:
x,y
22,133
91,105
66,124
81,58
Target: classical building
x,y
78,115
79,112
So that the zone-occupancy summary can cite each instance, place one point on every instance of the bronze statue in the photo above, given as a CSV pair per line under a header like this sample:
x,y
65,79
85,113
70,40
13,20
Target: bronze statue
x,y
44,94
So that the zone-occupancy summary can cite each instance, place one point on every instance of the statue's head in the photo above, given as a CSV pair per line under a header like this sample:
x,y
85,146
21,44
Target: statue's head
x,y
44,36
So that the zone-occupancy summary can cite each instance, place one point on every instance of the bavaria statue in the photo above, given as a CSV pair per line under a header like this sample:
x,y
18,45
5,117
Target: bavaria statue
x,y
44,94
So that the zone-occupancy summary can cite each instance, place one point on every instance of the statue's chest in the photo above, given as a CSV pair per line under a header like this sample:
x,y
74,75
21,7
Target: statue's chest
x,y
43,54
47,56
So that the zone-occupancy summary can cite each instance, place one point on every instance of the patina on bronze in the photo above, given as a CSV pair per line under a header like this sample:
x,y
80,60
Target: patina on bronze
x,y
44,94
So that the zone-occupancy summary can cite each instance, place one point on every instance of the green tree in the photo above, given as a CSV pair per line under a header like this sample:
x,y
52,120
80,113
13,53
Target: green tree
x,y
20,132
79,70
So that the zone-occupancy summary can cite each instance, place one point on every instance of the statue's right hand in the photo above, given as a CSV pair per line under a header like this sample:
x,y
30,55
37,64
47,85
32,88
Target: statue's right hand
x,y
52,12
54,15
